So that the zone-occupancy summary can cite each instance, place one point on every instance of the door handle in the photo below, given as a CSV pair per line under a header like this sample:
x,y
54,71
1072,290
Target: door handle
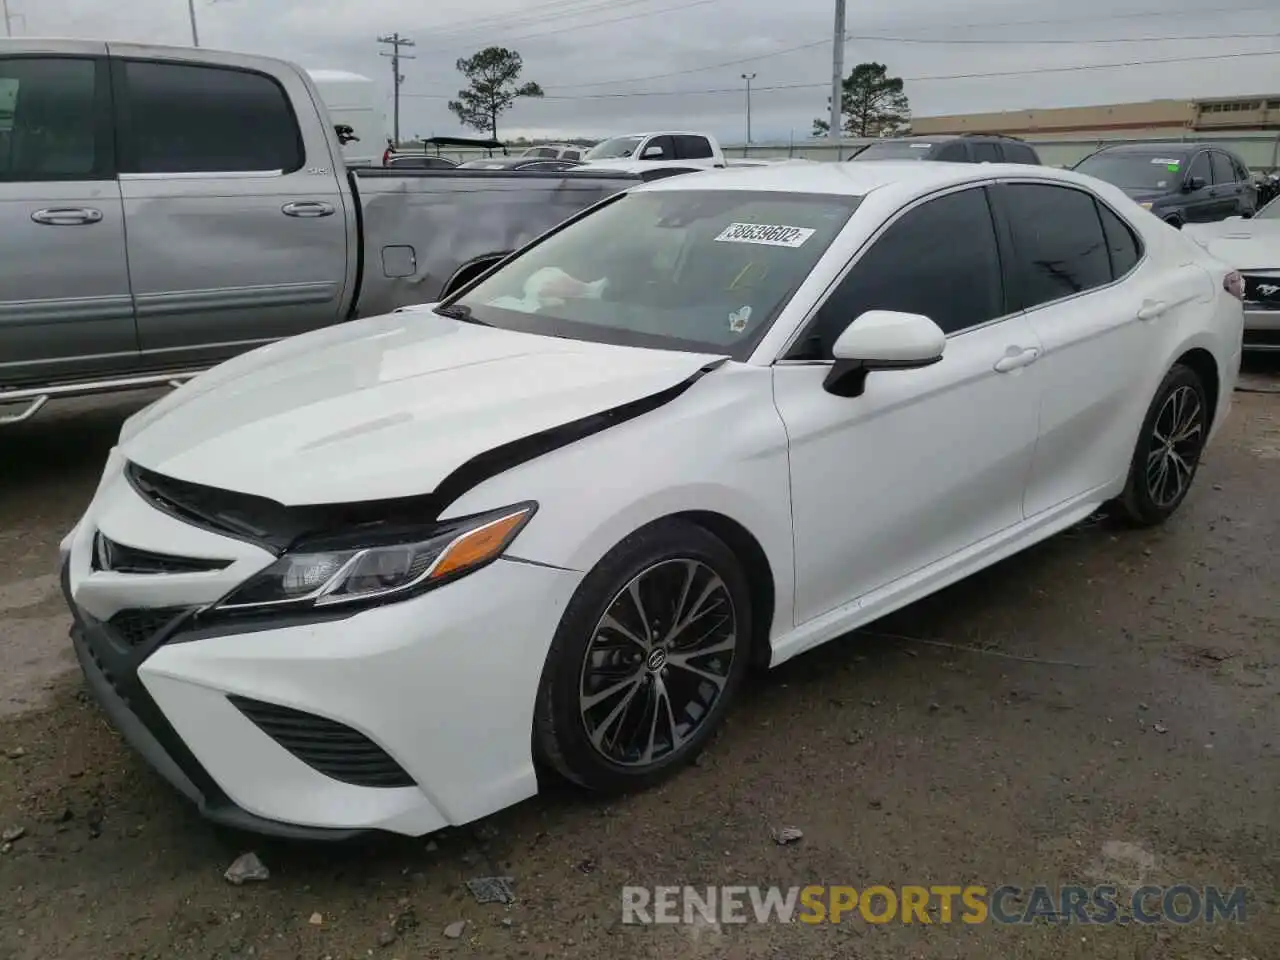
x,y
1016,358
67,216
307,208
1151,309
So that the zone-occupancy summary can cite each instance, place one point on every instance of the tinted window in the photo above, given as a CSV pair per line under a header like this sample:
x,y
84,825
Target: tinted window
x,y
895,150
1200,168
193,119
693,148
985,150
952,153
1020,153
665,144
1122,243
48,120
1223,172
1059,247
916,266
573,155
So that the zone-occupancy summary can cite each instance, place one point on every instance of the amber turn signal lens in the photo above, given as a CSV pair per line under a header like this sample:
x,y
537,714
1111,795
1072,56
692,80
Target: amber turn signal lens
x,y
479,545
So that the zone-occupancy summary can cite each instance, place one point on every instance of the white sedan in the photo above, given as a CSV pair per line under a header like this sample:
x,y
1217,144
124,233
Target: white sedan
x,y
374,576
1253,247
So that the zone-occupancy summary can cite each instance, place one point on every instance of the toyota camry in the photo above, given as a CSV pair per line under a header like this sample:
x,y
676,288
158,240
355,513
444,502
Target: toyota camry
x,y
386,575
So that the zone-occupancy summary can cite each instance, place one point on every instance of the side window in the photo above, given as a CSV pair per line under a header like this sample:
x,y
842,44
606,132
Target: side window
x,y
1223,171
1059,246
183,118
1020,153
572,155
693,148
985,150
917,267
1122,243
662,144
953,152
1242,172
1200,168
50,113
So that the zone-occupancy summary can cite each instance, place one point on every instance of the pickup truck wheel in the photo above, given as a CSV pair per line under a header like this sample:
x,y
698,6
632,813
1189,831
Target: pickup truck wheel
x,y
1168,451
646,661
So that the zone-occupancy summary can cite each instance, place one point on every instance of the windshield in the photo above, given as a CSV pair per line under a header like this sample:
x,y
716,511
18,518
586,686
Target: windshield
x,y
1135,171
1270,212
696,270
615,149
895,150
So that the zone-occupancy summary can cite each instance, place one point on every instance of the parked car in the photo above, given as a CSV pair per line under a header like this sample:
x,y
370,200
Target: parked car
x,y
519,163
168,208
375,572
1178,182
419,161
692,150
1253,248
961,148
554,151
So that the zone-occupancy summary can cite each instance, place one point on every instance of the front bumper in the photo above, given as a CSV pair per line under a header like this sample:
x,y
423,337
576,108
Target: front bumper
x,y
440,687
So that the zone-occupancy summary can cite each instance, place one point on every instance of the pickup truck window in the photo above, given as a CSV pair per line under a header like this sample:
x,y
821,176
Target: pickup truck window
x,y
618,148
184,118
693,148
49,112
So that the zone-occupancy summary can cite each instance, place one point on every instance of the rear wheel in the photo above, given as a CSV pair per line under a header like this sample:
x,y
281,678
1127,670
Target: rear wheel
x,y
648,656
1168,451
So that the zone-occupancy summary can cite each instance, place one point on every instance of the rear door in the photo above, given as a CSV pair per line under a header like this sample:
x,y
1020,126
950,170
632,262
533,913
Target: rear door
x,y
1077,274
955,151
689,147
236,224
1200,205
65,310
1227,186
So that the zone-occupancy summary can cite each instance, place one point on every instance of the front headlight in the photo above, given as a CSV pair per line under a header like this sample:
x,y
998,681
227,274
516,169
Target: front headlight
x,y
331,573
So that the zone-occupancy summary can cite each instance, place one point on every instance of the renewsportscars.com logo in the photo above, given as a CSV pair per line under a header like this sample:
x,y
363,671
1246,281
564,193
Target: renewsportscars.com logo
x,y
815,904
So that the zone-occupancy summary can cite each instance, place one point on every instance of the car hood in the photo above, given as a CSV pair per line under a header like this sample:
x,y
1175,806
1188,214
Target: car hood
x,y
1242,244
1140,195
385,407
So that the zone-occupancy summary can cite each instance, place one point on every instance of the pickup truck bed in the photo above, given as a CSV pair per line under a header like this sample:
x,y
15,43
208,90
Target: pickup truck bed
x,y
182,206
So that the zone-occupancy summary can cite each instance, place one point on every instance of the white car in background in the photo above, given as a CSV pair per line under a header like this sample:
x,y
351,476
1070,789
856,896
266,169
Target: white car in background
x,y
365,578
1253,247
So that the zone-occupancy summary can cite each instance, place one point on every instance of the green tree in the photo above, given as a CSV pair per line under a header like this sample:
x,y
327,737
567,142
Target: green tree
x,y
872,103
492,75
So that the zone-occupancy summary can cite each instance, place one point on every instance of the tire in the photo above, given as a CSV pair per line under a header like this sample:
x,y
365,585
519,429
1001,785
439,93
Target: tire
x,y
1180,408
616,744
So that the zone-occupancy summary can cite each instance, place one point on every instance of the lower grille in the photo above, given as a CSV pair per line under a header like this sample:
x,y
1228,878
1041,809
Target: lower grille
x,y
1262,338
135,627
335,750
118,558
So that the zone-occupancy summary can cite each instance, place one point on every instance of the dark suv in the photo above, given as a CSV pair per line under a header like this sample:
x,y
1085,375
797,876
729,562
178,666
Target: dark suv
x,y
965,148
1178,182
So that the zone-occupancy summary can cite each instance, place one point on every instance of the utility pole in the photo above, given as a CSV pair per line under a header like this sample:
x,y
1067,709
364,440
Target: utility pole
x,y
195,33
9,18
837,78
395,41
748,77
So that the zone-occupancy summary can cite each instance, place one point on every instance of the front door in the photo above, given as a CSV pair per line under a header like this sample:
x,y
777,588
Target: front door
x,y
65,310
926,462
1200,204
233,240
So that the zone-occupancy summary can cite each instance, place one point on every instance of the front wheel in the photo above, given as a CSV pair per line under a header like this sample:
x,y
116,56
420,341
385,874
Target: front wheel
x,y
648,656
1168,451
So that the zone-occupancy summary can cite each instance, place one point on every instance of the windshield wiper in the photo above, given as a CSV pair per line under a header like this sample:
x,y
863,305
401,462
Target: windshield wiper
x,y
457,311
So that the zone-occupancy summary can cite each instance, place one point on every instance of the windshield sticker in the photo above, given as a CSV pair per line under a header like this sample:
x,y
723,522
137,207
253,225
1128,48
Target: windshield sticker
x,y
1171,164
768,234
738,319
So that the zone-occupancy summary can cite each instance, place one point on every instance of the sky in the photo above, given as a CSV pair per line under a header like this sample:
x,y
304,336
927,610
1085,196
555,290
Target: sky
x,y
615,66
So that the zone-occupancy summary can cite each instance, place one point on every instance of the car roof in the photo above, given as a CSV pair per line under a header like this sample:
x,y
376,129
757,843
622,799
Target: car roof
x,y
857,179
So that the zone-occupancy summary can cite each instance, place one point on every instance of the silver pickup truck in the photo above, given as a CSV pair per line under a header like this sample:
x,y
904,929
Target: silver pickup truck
x,y
164,209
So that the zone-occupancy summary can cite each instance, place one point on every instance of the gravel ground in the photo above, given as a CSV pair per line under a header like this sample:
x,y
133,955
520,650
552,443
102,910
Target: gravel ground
x,y
1103,707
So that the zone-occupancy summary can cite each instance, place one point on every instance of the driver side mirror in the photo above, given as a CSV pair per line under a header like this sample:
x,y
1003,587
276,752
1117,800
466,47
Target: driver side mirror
x,y
882,340
654,152
1192,184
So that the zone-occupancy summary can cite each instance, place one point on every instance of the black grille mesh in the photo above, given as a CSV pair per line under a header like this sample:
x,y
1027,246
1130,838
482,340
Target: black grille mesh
x,y
136,627
123,559
335,750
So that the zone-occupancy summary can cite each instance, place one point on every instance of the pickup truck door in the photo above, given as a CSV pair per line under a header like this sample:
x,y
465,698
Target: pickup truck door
x,y
237,222
65,310
657,148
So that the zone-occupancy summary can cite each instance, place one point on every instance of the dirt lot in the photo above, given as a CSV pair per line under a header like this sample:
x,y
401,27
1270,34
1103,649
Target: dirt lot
x,y
1112,716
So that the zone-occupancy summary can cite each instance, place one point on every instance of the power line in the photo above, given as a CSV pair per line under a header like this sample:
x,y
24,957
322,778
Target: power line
x,y
849,37
926,79
576,8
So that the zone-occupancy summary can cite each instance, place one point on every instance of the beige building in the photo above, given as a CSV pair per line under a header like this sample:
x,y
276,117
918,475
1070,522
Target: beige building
x,y
1154,118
